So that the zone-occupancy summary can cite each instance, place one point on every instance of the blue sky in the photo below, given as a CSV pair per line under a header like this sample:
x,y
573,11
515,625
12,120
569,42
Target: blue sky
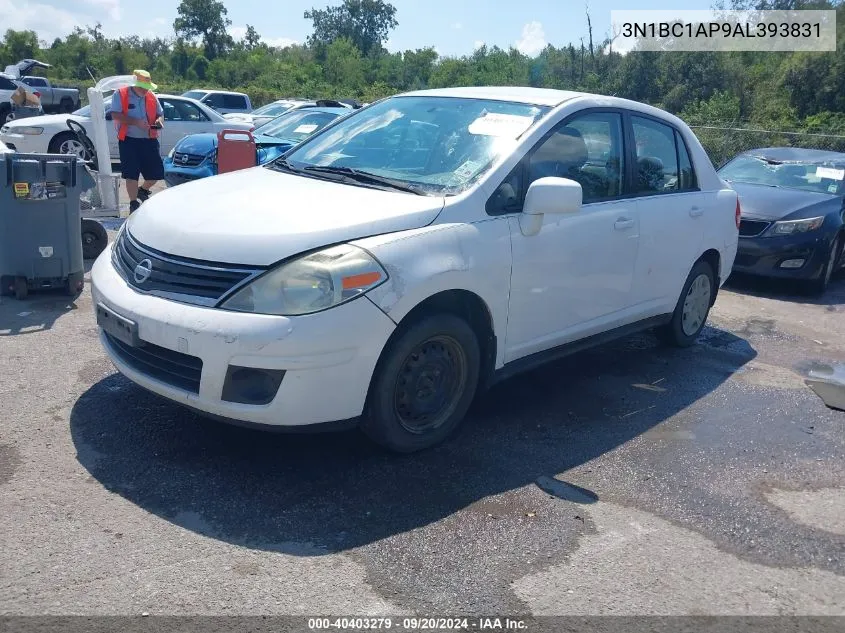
x,y
454,27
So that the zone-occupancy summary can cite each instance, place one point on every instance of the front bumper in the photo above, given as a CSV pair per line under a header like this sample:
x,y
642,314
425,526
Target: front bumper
x,y
763,256
177,175
25,143
328,357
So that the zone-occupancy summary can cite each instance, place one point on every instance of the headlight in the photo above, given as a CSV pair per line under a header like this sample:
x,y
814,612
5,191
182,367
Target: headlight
x,y
171,152
212,156
28,130
789,227
312,283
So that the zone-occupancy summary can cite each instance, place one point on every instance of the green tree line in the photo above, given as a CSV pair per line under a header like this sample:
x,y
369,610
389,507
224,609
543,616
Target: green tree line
x,y
345,57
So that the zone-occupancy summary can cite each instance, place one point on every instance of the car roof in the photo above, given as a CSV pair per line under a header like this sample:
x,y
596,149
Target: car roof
x,y
788,154
219,92
520,94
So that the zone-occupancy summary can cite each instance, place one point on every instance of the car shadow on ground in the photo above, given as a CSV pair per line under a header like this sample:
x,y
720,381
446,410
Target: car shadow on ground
x,y
789,290
323,493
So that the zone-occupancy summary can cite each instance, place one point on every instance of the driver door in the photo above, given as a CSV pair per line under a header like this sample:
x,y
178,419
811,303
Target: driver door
x,y
181,118
574,278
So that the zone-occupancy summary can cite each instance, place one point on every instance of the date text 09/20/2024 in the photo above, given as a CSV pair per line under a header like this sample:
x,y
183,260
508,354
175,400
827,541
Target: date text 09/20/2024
x,y
417,624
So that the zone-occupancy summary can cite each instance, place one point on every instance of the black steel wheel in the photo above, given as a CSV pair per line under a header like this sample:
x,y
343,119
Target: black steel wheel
x,y
95,238
423,385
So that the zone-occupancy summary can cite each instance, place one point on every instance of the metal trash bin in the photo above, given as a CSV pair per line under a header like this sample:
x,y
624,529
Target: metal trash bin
x,y
40,224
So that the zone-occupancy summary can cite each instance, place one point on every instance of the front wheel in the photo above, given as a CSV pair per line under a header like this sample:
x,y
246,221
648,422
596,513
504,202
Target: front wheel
x,y
423,385
692,309
819,285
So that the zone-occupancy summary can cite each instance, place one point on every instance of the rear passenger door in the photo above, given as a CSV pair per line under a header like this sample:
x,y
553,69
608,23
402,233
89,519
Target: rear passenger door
x,y
671,210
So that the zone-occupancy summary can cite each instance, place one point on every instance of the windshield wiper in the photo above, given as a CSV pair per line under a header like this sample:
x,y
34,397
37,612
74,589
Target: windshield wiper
x,y
282,165
364,176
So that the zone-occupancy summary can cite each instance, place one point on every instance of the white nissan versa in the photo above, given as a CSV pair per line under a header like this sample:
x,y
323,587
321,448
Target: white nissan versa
x,y
392,265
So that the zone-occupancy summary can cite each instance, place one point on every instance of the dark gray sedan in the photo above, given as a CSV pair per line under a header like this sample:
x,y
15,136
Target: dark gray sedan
x,y
793,219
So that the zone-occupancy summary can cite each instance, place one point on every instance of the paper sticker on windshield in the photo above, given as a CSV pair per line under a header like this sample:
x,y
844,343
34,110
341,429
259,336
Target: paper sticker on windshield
x,y
828,172
466,171
305,129
495,124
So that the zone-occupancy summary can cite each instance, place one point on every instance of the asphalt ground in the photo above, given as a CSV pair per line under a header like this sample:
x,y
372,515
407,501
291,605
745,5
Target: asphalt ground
x,y
630,479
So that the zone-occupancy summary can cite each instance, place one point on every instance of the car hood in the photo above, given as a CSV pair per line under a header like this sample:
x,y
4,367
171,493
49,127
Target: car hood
x,y
201,144
258,216
46,120
776,203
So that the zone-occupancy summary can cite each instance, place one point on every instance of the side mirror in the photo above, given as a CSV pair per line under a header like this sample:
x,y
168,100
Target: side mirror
x,y
548,195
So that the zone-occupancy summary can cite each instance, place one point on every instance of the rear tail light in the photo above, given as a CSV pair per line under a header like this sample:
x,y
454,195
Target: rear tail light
x,y
37,94
738,212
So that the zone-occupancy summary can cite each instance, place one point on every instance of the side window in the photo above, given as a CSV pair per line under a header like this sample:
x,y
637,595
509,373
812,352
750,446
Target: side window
x,y
657,159
6,84
214,100
189,112
235,102
688,181
170,111
588,150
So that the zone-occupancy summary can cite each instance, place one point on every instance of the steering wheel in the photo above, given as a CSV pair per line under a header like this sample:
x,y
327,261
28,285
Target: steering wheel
x,y
82,135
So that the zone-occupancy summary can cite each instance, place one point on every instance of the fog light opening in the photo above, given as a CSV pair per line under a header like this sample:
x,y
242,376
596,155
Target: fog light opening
x,y
792,263
248,385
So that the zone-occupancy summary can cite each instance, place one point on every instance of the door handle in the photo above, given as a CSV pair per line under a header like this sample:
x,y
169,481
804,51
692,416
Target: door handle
x,y
623,223
695,212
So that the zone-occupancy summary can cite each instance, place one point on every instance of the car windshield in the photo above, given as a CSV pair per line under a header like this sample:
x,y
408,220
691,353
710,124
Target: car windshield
x,y
438,145
806,176
273,109
297,125
194,94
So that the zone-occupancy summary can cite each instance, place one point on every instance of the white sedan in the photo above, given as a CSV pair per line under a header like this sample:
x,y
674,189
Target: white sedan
x,y
50,133
406,257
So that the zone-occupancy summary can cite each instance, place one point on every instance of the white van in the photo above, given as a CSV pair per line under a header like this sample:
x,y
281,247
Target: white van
x,y
394,264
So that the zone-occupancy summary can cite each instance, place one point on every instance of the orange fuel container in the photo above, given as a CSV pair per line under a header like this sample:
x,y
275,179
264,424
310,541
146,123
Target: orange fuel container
x,y
235,150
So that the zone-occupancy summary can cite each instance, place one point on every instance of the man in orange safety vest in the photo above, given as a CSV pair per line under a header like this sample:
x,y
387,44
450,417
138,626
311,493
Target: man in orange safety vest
x,y
138,117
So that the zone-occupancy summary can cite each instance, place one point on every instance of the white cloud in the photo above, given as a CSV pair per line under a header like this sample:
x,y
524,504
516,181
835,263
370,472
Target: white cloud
x,y
47,21
457,26
237,32
477,44
279,42
111,7
533,39
161,21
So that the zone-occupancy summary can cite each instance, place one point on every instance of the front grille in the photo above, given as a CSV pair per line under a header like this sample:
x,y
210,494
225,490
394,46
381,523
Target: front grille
x,y
181,159
178,278
173,368
751,228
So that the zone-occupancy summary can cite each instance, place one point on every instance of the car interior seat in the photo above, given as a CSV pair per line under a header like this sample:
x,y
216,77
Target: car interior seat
x,y
650,176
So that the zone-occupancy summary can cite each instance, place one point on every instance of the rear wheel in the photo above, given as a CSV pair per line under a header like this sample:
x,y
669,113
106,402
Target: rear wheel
x,y
423,385
94,239
692,309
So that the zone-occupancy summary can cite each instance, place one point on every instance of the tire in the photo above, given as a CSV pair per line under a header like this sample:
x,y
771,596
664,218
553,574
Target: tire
x,y
94,239
7,286
683,331
441,355
6,114
819,286
74,284
21,289
56,143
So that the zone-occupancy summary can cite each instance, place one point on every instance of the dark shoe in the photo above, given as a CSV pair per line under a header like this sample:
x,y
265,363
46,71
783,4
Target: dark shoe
x,y
144,194
133,206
